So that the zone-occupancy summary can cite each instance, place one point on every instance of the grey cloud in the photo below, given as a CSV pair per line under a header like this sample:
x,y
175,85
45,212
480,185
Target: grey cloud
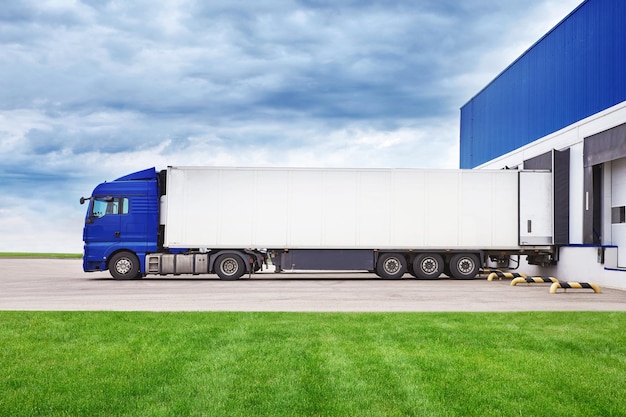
x,y
184,69
245,60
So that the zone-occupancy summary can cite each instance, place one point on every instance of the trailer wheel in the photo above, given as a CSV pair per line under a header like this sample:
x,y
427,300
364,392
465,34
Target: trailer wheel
x,y
229,267
464,266
124,265
391,266
428,266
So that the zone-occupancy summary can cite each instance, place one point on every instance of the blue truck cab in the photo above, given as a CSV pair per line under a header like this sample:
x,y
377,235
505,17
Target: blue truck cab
x,y
122,224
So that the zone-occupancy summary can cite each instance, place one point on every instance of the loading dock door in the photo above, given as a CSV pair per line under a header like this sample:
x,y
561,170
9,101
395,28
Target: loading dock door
x,y
535,208
618,208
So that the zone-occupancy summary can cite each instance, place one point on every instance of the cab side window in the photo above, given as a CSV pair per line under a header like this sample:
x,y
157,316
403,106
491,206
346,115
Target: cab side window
x,y
106,206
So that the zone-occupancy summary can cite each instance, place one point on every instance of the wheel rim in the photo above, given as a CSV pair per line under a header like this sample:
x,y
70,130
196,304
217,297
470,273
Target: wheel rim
x,y
392,265
429,265
465,265
123,266
229,266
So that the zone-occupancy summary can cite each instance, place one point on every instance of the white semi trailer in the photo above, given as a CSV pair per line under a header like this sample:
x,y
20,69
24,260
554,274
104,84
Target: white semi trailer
x,y
232,221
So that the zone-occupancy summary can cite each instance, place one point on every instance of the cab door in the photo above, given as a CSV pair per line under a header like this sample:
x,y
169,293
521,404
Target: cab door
x,y
103,223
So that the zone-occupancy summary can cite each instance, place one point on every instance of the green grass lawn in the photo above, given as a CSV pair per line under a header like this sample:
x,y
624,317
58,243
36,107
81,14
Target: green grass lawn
x,y
300,364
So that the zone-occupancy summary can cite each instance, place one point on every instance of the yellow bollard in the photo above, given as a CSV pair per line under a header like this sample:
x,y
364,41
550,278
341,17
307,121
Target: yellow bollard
x,y
566,285
530,280
501,275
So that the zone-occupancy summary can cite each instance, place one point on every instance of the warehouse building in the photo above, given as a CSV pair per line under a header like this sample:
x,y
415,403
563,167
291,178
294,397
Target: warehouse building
x,y
561,106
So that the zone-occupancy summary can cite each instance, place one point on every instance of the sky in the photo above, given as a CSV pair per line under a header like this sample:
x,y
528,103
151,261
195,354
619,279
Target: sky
x,y
93,90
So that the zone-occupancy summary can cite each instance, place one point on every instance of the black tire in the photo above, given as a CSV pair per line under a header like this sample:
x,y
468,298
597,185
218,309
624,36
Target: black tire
x,y
464,266
124,265
428,266
229,267
391,266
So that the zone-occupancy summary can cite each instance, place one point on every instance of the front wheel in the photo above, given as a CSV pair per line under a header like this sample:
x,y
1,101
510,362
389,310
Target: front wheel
x,y
464,266
124,265
391,266
229,267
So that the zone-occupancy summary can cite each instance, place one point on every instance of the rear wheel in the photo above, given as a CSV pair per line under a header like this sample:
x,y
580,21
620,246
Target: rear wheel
x,y
124,265
428,266
464,266
391,266
229,267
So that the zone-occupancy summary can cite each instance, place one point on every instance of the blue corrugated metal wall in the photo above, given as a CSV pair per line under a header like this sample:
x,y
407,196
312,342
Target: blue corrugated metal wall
x,y
576,70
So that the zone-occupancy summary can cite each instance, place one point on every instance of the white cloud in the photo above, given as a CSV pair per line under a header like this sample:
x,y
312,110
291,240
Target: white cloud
x,y
14,125
40,225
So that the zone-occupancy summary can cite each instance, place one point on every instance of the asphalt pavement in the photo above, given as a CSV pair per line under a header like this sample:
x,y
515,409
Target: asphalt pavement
x,y
60,284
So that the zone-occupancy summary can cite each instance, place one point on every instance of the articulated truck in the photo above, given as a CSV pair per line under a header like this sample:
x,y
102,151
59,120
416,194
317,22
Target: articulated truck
x,y
236,221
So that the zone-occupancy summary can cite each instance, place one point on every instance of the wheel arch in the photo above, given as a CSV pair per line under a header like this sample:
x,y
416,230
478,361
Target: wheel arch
x,y
241,253
141,257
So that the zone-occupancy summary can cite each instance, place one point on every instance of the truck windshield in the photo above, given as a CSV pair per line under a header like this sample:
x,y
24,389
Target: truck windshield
x,y
107,206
